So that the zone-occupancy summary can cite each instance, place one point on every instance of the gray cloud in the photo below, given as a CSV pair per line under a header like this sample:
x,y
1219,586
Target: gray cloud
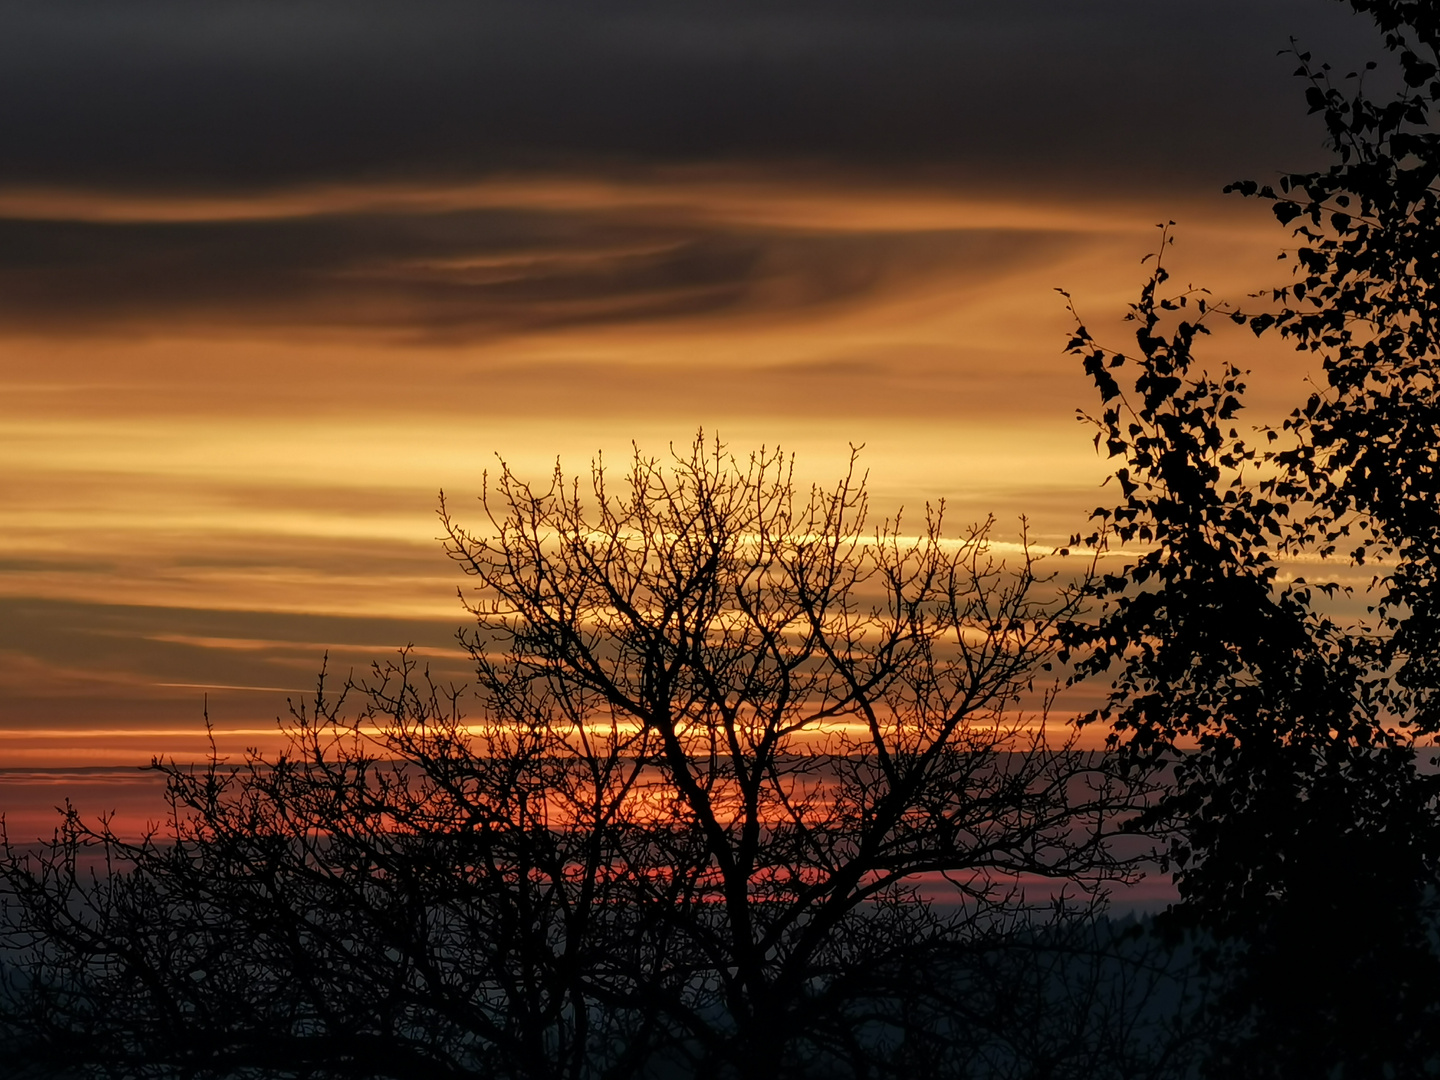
x,y
161,96
240,93
461,275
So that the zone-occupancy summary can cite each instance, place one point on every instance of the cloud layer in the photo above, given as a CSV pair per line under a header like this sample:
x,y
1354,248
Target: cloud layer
x,y
161,93
273,273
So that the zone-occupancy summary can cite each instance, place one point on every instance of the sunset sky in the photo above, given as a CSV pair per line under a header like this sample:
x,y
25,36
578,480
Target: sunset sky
x,y
272,274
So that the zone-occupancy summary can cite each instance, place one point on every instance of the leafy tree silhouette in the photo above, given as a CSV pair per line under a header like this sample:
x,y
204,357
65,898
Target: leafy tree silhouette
x,y
1302,833
725,733
1366,302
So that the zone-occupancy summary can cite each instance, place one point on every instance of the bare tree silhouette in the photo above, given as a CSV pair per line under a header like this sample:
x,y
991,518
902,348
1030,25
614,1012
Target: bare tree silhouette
x,y
729,737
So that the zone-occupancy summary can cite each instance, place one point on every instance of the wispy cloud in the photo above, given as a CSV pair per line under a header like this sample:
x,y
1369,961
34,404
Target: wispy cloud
x,y
272,275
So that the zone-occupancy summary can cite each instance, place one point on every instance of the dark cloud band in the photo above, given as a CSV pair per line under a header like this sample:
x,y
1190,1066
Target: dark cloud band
x,y
461,275
163,94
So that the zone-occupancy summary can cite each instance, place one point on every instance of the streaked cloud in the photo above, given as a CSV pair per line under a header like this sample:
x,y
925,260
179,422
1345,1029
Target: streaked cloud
x,y
271,275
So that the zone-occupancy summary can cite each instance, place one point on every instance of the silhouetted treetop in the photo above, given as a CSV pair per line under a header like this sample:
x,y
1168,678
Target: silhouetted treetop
x,y
1365,455
754,788
1302,832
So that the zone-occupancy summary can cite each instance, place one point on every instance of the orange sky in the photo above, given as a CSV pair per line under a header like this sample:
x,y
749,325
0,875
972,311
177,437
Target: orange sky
x,y
198,503
263,294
